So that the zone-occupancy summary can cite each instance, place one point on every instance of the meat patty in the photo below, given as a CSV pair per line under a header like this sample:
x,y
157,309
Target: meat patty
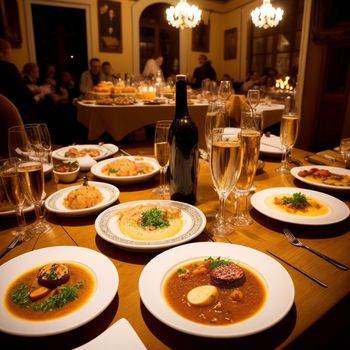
x,y
227,276
53,275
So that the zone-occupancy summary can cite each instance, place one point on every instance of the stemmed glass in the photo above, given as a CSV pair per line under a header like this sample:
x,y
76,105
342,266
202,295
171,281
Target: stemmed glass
x,y
26,143
253,98
288,131
225,89
209,90
216,117
225,166
46,143
345,151
161,151
9,179
251,130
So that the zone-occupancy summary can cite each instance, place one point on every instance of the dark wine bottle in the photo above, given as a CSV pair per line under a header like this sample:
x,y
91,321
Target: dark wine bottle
x,y
183,141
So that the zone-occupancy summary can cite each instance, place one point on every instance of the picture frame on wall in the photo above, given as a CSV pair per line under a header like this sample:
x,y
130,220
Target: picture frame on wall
x,y
230,44
109,22
10,29
200,37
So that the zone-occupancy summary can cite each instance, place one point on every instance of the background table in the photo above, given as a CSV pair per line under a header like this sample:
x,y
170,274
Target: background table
x,y
314,320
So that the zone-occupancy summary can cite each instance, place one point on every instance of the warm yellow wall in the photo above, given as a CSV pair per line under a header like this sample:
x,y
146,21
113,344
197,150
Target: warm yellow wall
x,y
234,14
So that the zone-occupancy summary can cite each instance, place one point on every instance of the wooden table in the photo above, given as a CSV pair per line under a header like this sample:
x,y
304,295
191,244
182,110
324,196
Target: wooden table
x,y
316,316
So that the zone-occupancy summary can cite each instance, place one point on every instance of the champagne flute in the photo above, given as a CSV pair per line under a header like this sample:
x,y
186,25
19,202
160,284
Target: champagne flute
x,y
253,98
251,130
27,142
9,179
288,131
46,143
216,117
225,167
345,151
225,89
162,151
209,90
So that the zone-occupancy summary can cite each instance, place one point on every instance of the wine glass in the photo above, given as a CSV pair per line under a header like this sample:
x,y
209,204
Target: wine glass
x,y
46,143
288,131
345,151
251,130
225,166
209,90
225,89
253,98
9,180
161,151
216,117
26,142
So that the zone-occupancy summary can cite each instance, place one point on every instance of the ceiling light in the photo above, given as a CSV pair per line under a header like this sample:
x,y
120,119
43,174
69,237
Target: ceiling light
x,y
266,15
183,15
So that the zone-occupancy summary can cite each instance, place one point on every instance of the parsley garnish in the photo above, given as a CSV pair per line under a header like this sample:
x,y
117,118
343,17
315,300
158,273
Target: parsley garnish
x,y
297,201
20,296
215,262
154,217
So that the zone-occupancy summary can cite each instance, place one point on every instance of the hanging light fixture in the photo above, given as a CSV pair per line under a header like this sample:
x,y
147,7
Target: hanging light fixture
x,y
183,15
266,15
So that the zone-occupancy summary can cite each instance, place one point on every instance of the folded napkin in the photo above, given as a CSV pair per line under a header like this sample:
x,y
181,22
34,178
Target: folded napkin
x,y
119,336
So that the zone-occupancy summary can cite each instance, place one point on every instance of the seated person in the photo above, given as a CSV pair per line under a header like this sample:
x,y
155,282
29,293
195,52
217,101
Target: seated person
x,y
107,73
90,77
152,67
204,71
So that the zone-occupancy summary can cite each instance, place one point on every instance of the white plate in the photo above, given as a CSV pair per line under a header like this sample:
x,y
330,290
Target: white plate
x,y
294,171
107,226
54,203
271,145
279,285
338,210
97,170
47,168
107,281
119,336
105,151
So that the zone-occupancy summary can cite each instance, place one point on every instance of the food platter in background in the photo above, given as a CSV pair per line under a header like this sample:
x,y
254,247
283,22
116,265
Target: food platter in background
x,y
54,203
98,170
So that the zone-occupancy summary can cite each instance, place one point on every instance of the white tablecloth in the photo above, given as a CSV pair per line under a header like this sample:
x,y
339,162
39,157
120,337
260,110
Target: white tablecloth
x,y
272,114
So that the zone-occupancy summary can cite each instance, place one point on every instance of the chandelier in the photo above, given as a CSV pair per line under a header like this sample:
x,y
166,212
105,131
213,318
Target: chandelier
x,y
266,15
183,15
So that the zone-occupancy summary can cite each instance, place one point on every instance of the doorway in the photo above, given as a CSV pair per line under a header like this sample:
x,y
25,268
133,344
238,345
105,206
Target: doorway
x,y
60,38
157,36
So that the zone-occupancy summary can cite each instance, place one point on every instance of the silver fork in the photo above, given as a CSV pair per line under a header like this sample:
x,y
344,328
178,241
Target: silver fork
x,y
13,243
295,241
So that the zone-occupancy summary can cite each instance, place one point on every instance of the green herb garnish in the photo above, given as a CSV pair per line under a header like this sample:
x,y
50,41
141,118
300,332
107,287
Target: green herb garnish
x,y
215,262
154,217
182,271
65,295
20,296
112,171
297,201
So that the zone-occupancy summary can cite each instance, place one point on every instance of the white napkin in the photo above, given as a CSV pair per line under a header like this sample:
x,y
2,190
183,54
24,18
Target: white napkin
x,y
86,162
119,336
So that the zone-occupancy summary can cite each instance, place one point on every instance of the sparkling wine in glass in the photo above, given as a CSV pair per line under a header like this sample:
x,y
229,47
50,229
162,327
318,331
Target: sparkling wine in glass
x,y
253,98
251,130
225,89
10,181
225,167
162,151
27,142
288,131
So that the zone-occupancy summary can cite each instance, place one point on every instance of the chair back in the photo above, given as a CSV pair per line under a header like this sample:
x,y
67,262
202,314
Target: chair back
x,y
9,116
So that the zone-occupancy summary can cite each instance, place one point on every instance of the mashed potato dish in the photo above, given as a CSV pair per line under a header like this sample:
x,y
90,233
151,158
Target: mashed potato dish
x,y
83,197
127,167
150,222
